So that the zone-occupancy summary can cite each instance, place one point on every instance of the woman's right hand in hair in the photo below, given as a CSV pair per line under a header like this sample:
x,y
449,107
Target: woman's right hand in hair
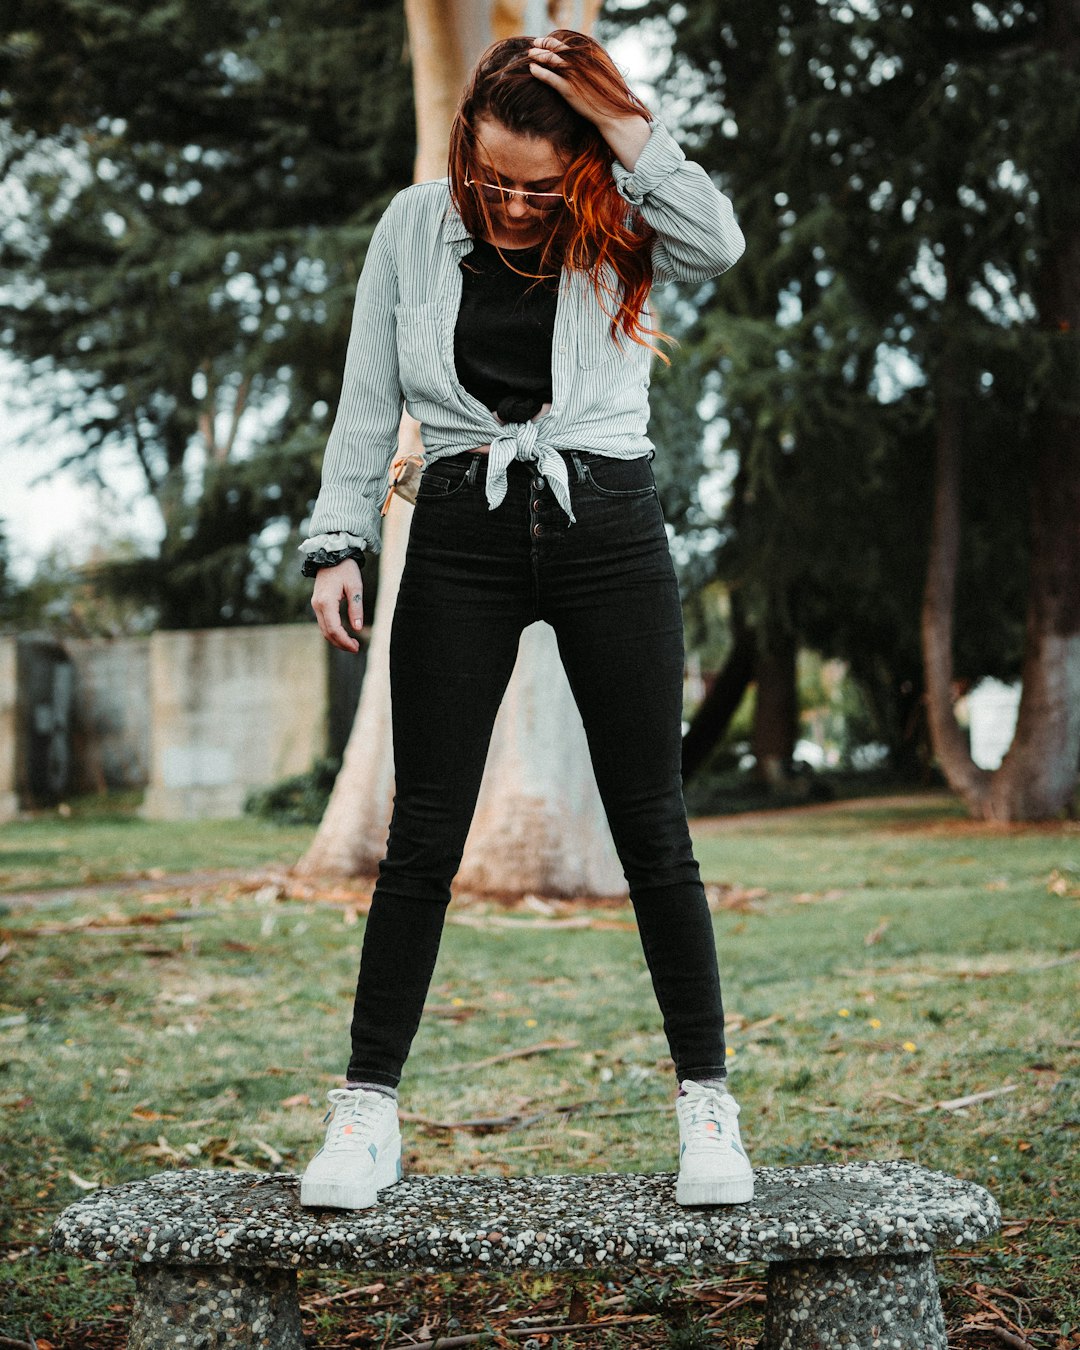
x,y
332,585
624,126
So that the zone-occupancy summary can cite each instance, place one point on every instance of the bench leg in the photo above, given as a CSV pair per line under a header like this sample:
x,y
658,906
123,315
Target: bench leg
x,y
213,1307
887,1303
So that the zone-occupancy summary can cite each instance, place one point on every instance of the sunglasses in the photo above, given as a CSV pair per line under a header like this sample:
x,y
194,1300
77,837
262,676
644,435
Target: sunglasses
x,y
536,201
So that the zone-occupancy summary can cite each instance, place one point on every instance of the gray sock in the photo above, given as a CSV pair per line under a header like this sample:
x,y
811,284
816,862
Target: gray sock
x,y
720,1084
373,1087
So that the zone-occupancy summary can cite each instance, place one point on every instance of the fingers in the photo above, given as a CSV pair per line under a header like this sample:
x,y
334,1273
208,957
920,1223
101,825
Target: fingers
x,y
547,50
546,60
332,585
550,68
547,75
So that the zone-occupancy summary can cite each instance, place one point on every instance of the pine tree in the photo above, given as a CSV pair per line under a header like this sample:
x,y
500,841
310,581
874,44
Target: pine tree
x,y
198,184
908,297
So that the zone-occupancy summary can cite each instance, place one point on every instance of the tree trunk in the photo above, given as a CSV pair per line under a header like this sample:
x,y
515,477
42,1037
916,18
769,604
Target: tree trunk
x,y
776,712
539,823
720,704
351,837
939,595
1038,776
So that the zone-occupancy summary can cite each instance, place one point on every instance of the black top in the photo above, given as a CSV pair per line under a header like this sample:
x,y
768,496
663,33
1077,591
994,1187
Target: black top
x,y
502,342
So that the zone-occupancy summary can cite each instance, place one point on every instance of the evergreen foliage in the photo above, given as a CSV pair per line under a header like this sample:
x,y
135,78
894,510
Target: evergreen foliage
x,y
897,170
196,187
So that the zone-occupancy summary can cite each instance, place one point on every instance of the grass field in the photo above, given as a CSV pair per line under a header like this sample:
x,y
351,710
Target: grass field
x,y
878,959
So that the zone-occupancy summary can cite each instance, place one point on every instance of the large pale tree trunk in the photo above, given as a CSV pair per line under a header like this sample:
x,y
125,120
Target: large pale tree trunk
x,y
539,824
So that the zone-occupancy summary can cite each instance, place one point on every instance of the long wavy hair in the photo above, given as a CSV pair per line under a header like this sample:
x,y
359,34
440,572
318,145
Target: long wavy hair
x,y
596,232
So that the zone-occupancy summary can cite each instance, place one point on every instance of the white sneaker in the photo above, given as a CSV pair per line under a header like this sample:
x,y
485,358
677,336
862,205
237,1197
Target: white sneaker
x,y
713,1166
360,1155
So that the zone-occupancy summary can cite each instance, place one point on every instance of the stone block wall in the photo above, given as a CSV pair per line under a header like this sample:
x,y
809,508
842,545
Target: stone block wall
x,y
196,718
232,709
111,716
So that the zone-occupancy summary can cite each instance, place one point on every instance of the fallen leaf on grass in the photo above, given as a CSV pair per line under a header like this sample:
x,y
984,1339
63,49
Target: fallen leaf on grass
x,y
300,1099
812,897
163,1149
453,1012
578,1309
895,1097
82,1182
741,899
111,924
541,1048
145,1113
581,921
343,1295
876,934
271,1152
959,1103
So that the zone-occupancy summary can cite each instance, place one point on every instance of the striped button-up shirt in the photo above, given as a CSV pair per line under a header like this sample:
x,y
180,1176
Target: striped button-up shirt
x,y
401,348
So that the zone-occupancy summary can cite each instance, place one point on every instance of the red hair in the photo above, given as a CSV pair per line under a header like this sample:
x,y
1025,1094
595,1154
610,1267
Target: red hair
x,y
597,232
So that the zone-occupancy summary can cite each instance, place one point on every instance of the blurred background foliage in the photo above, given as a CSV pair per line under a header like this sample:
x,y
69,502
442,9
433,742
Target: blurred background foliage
x,y
198,188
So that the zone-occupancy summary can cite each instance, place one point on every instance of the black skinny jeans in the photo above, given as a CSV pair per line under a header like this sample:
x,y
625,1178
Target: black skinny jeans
x,y
473,579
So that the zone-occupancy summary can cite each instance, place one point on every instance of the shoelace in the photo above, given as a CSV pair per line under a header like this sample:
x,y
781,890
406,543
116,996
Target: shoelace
x,y
709,1107
351,1107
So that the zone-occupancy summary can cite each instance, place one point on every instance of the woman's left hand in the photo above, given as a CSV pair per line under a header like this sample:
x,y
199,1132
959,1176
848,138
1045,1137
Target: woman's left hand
x,y
626,133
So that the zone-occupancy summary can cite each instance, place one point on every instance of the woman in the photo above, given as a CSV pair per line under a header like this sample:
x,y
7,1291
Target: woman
x,y
507,307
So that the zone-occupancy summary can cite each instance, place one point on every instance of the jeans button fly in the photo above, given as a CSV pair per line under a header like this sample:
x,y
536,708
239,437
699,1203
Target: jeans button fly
x,y
537,503
538,530
538,482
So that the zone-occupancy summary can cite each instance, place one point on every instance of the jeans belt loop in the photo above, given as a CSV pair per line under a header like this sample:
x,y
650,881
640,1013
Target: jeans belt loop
x,y
578,466
474,469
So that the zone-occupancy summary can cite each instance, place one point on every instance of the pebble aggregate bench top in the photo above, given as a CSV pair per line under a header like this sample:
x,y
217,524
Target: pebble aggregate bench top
x,y
209,1218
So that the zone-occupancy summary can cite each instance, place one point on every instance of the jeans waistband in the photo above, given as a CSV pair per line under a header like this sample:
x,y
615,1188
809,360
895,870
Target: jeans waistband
x,y
576,461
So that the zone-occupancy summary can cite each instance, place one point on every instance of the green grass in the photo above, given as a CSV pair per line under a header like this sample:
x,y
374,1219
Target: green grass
x,y
876,960
81,850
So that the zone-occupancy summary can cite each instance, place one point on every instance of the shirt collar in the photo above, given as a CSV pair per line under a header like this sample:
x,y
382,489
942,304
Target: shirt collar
x,y
454,231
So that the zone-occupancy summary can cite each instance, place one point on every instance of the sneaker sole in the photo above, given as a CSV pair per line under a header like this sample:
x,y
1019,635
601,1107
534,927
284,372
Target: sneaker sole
x,y
737,1192
346,1195
327,1195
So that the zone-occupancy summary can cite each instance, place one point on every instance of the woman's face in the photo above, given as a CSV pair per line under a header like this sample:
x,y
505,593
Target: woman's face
x,y
527,163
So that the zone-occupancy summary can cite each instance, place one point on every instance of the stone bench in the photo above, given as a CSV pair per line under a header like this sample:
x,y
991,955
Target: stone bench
x,y
849,1248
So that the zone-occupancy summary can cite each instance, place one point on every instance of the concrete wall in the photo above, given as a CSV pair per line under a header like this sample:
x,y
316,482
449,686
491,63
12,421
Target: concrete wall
x,y
232,709
197,718
111,716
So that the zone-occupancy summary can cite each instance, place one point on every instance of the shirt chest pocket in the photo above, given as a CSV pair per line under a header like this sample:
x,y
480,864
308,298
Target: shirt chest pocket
x,y
596,345
422,368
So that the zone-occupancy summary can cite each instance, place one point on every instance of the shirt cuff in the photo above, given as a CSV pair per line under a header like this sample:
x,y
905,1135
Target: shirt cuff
x,y
334,543
660,158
